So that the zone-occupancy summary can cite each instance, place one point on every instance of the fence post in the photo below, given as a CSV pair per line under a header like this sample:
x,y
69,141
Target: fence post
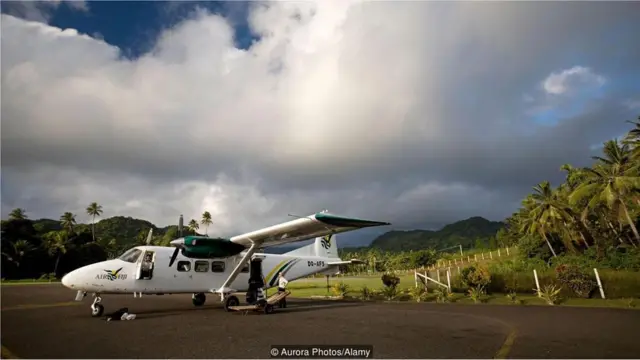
x,y
599,283
482,255
415,277
475,256
469,258
458,270
449,280
498,252
438,275
535,275
507,251
491,255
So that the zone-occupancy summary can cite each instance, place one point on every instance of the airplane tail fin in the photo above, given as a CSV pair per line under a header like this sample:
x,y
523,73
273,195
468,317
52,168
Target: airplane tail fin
x,y
324,246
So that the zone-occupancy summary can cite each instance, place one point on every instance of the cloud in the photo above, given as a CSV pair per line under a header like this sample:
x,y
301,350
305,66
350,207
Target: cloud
x,y
405,112
41,11
571,79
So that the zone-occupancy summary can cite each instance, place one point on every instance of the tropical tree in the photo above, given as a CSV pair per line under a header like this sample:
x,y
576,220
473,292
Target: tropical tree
x,y
17,214
94,210
19,249
611,182
206,221
193,225
57,243
68,221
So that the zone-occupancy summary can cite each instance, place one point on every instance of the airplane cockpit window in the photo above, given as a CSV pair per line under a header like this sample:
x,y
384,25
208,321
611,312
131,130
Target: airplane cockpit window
x,y
131,255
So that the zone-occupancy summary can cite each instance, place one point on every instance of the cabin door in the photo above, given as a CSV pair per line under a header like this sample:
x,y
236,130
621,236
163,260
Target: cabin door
x,y
145,266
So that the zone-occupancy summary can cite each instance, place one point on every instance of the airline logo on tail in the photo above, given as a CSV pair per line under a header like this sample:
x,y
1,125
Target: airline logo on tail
x,y
326,241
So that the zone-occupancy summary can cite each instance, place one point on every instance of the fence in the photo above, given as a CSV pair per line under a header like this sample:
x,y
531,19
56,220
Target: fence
x,y
425,278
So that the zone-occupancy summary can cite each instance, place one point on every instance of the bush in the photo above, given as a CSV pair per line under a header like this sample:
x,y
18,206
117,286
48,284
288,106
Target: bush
x,y
390,280
341,289
475,276
576,279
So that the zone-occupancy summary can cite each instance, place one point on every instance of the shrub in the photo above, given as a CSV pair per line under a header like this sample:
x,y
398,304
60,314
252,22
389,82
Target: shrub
x,y
443,295
366,293
341,289
549,294
390,292
418,293
575,279
475,275
476,292
390,280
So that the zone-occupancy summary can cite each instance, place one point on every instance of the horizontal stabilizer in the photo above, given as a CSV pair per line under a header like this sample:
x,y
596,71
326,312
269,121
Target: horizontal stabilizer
x,y
346,262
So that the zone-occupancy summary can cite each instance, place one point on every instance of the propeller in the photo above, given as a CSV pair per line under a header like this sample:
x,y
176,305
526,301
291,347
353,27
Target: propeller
x,y
149,236
179,245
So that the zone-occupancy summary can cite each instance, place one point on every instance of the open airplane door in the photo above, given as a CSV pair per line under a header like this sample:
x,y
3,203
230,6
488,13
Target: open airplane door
x,y
145,265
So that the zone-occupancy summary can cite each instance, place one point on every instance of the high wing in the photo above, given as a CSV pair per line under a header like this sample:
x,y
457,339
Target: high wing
x,y
304,228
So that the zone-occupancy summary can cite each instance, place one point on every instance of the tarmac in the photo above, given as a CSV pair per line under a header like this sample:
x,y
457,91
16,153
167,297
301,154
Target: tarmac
x,y
43,321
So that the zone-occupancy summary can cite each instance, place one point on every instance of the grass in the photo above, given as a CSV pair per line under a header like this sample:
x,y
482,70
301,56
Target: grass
x,y
28,281
316,287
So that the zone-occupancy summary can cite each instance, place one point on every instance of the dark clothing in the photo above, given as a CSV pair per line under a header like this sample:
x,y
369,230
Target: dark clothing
x,y
117,315
281,289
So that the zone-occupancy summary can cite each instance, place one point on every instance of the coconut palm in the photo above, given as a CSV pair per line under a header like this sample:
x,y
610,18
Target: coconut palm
x,y
206,221
193,225
68,221
17,214
94,210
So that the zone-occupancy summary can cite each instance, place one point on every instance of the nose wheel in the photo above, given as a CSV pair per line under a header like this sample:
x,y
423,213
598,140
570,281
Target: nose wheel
x,y
96,308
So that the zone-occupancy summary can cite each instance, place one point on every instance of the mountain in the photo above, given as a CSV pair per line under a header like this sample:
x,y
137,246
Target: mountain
x,y
128,231
469,233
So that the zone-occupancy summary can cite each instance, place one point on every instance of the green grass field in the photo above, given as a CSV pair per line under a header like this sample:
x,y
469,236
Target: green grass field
x,y
317,287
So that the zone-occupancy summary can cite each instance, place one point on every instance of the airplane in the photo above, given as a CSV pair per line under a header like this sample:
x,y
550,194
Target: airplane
x,y
216,265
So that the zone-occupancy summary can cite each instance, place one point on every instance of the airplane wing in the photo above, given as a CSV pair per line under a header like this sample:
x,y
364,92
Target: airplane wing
x,y
304,228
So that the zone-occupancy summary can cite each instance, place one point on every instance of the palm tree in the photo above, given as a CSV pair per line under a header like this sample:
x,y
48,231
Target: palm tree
x,y
19,250
17,214
545,212
206,221
94,210
608,185
193,225
68,221
57,242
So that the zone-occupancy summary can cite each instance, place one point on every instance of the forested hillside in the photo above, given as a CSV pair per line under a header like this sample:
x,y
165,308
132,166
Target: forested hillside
x,y
472,232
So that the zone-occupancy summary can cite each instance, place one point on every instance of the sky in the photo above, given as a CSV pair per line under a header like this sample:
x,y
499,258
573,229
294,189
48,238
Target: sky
x,y
416,113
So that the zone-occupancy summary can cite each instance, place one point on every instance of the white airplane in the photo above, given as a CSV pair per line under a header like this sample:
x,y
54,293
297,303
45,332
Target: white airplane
x,y
216,265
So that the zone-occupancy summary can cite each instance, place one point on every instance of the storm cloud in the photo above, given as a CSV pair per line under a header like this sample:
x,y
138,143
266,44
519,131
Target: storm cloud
x,y
417,113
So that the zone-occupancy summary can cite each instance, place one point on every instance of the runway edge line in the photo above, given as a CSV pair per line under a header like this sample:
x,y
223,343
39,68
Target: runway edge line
x,y
506,346
6,354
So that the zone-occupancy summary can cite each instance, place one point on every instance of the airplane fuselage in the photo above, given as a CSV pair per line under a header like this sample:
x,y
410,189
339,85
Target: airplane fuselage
x,y
186,275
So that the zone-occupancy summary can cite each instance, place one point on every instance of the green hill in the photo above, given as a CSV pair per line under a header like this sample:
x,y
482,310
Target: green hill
x,y
472,232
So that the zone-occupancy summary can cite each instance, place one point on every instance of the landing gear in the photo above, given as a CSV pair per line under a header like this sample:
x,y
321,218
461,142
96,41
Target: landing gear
x,y
231,301
96,308
198,299
268,308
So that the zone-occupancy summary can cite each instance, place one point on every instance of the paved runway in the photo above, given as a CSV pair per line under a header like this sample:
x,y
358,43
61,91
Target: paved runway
x,y
42,321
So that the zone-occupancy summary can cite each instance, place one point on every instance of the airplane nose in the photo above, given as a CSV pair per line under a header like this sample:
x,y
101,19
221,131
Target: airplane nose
x,y
69,279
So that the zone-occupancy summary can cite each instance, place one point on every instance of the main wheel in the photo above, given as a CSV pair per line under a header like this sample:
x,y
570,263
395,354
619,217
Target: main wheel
x,y
231,301
198,299
97,310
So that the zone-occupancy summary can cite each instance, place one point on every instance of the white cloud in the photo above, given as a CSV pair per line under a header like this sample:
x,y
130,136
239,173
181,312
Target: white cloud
x,y
576,77
341,105
41,11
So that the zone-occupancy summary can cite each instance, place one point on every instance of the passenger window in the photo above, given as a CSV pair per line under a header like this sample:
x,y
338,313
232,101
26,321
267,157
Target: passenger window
x,y
202,266
217,266
184,266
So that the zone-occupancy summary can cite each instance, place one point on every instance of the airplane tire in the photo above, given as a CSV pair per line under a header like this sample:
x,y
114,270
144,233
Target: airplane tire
x,y
97,310
198,299
231,301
